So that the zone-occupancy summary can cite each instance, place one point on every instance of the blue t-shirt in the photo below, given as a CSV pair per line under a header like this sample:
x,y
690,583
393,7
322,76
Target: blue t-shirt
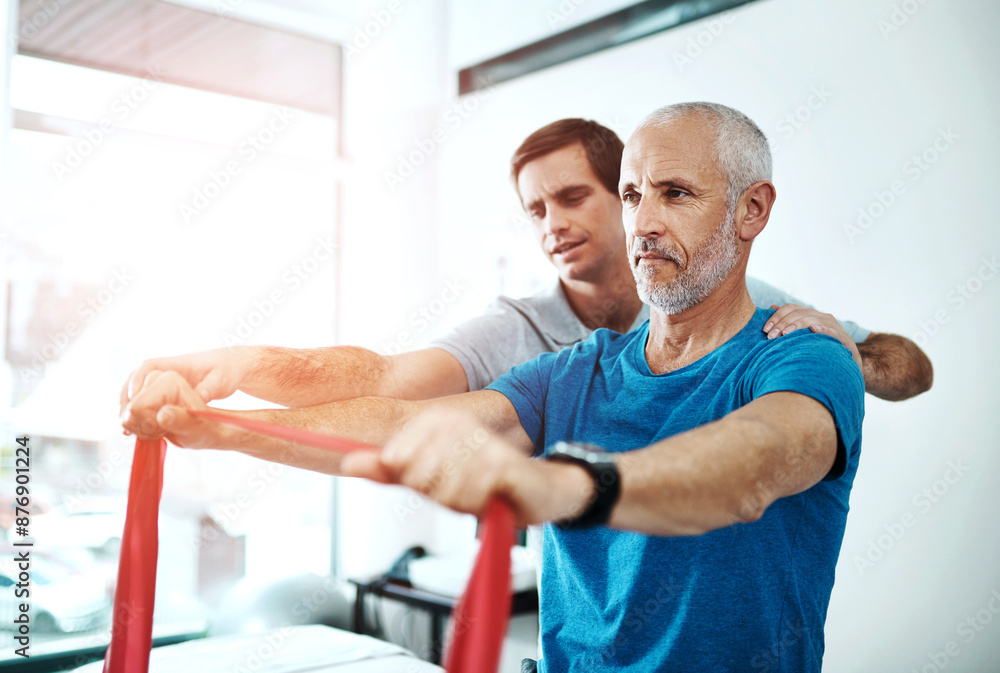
x,y
749,597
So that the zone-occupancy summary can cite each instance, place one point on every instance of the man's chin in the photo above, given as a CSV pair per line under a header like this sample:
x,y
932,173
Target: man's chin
x,y
665,296
669,305
576,271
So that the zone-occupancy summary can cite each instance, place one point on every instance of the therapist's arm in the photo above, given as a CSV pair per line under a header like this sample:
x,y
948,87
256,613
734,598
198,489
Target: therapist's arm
x,y
161,409
299,377
894,367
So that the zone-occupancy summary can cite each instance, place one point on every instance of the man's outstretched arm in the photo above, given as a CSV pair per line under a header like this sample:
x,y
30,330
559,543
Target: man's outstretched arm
x,y
729,471
894,367
308,376
161,409
726,472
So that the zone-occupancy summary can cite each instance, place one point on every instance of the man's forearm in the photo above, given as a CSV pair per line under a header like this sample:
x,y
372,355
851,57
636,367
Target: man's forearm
x,y
894,367
726,472
305,377
373,420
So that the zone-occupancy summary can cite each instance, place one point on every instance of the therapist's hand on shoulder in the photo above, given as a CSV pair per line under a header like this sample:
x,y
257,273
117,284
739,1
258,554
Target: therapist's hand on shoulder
x,y
791,317
160,409
447,455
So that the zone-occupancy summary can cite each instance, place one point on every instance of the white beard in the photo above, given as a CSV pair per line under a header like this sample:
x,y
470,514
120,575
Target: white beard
x,y
705,271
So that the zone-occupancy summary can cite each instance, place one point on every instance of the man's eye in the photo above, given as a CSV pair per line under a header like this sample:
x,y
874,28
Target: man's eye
x,y
676,193
630,197
536,213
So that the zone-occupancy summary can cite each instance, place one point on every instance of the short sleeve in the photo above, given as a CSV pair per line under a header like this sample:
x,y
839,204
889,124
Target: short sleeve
x,y
526,386
818,366
764,295
487,346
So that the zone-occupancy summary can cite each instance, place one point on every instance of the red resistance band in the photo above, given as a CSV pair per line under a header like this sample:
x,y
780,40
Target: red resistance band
x,y
480,618
132,615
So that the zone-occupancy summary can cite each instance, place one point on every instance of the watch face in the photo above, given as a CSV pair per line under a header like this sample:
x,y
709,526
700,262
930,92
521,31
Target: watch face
x,y
602,469
579,450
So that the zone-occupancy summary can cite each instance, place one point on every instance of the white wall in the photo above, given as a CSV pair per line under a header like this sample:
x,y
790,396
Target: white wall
x,y
885,96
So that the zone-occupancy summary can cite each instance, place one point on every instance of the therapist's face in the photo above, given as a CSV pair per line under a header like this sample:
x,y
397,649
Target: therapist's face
x,y
576,220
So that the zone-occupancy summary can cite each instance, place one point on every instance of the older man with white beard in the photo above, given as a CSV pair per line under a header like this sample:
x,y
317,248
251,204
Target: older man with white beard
x,y
695,476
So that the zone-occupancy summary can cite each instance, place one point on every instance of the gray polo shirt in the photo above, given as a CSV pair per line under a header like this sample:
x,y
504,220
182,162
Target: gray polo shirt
x,y
512,331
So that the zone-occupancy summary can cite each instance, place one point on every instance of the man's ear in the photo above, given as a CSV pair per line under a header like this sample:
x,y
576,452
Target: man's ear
x,y
755,204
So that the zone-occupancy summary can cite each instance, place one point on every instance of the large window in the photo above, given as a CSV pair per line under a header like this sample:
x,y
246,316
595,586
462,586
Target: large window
x,y
150,219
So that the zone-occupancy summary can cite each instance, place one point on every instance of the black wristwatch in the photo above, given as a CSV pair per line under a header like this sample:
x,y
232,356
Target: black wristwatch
x,y
607,482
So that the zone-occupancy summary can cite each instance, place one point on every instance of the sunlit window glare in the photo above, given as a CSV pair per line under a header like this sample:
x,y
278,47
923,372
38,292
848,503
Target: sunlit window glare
x,y
150,219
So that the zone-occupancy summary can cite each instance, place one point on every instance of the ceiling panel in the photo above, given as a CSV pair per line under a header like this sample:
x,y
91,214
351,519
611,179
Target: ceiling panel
x,y
187,47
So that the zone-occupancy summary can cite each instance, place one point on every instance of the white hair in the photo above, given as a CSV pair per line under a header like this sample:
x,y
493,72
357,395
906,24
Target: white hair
x,y
741,150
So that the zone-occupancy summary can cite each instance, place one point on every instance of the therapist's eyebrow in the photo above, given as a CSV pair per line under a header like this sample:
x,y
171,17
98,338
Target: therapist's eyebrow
x,y
561,195
573,191
537,204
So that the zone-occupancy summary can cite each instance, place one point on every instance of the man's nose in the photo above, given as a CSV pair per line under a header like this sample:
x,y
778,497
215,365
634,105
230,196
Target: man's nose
x,y
556,222
643,220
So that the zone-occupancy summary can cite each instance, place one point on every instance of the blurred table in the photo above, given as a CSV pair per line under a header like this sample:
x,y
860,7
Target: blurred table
x,y
312,648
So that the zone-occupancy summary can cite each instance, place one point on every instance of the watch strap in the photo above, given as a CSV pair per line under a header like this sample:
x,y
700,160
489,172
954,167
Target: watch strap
x,y
602,469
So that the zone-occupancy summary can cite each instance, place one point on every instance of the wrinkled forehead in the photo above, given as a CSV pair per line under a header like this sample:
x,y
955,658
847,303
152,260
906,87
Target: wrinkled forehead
x,y
684,144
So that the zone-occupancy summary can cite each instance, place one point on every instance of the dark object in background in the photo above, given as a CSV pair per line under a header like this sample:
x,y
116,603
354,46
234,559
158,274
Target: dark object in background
x,y
400,570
